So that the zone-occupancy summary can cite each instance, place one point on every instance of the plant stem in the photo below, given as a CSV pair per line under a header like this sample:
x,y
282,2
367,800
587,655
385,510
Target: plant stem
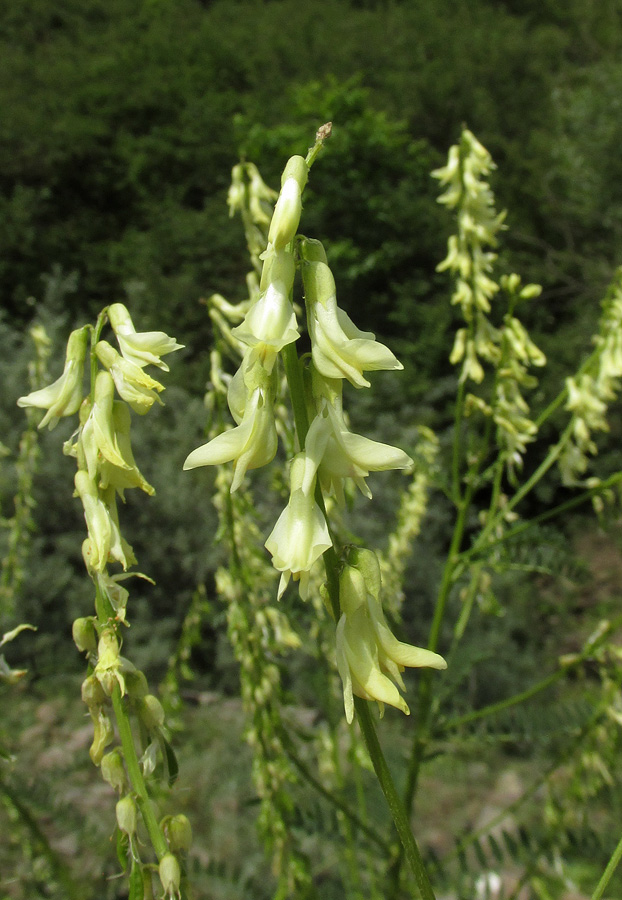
x,y
137,781
158,841
612,865
398,812
494,708
545,516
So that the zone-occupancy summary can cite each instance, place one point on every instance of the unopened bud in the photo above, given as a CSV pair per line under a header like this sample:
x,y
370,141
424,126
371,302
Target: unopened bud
x,y
92,693
170,875
113,771
136,684
530,291
126,815
151,712
178,832
84,636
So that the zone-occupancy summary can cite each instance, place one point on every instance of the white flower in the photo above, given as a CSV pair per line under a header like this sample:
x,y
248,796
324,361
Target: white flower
x,y
339,348
337,453
249,445
300,535
98,521
133,384
62,398
128,475
270,323
143,347
98,440
369,656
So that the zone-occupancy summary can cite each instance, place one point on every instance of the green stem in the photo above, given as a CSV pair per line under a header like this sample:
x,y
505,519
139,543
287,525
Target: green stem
x,y
398,812
455,459
545,516
522,492
104,614
322,134
137,781
296,387
494,708
612,865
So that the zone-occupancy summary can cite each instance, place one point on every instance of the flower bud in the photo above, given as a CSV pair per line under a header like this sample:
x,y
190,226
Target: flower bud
x,y
92,693
178,832
113,771
170,875
151,712
126,815
84,636
284,224
136,684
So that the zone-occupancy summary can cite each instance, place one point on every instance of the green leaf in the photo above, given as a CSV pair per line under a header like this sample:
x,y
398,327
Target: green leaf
x,y
170,760
122,848
137,888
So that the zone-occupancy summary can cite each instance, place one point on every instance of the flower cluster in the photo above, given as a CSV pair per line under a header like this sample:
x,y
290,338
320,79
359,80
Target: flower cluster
x,y
339,350
595,386
327,454
106,468
506,347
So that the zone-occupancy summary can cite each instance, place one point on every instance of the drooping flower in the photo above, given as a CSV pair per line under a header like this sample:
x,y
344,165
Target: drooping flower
x,y
133,384
63,397
339,349
300,535
270,324
249,445
337,453
128,475
97,519
98,439
140,347
370,658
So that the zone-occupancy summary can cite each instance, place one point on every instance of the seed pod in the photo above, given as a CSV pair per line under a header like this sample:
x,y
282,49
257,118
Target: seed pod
x,y
84,636
126,815
170,875
178,832
113,771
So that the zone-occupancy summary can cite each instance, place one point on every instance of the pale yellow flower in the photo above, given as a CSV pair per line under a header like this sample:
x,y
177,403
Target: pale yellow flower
x,y
140,347
370,658
339,349
63,397
300,535
133,384
251,444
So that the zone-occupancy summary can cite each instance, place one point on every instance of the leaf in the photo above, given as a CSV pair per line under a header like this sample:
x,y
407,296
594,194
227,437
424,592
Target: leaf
x,y
122,848
137,888
11,635
170,760
496,849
